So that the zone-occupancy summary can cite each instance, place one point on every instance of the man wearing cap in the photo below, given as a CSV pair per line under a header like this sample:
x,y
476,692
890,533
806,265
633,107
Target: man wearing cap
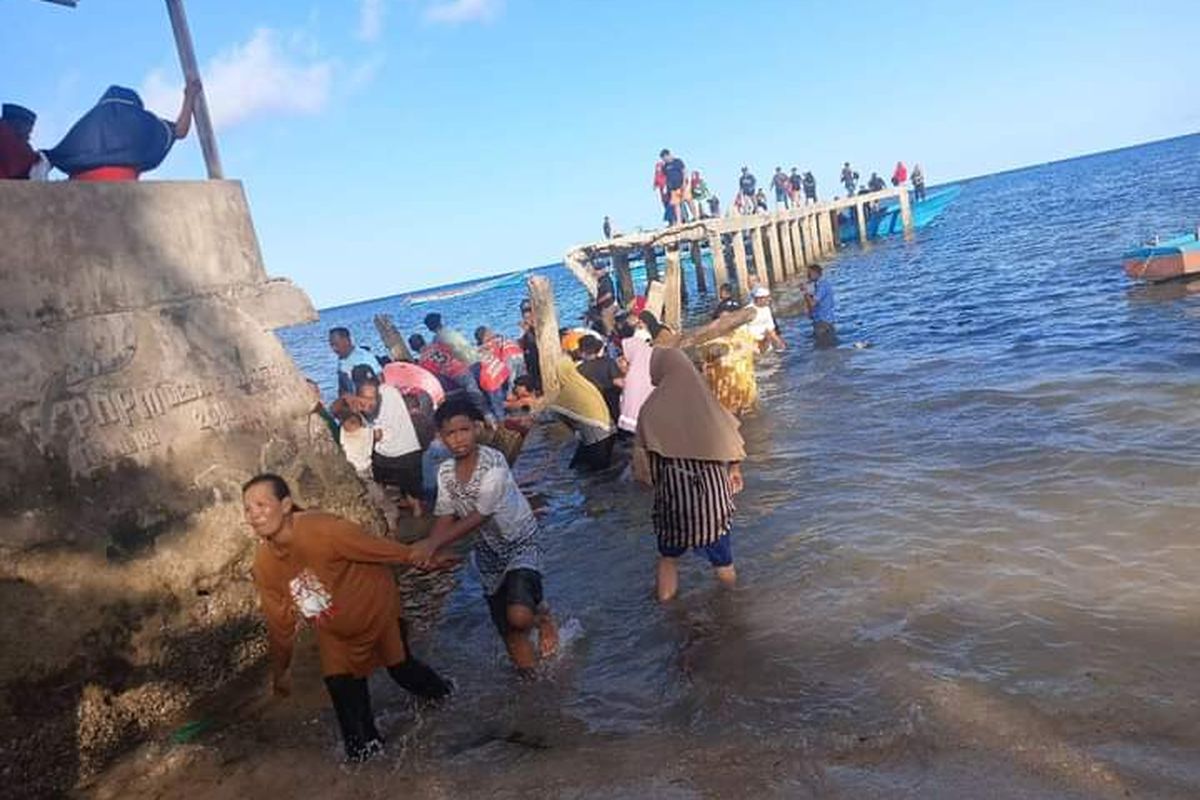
x,y
762,327
821,306
17,157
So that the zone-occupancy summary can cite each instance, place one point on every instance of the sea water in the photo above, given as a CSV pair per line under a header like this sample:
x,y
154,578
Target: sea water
x,y
969,554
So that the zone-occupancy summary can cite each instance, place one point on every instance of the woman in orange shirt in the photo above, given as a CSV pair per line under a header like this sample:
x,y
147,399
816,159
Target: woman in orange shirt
x,y
323,569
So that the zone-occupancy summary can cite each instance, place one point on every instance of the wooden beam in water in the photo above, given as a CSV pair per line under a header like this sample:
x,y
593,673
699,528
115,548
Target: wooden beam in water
x,y
545,321
673,291
698,265
655,298
760,256
577,262
810,239
651,261
393,340
716,249
777,271
620,261
741,271
906,217
784,235
860,218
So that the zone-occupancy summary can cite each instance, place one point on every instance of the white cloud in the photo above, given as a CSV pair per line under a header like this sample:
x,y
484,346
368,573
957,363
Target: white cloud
x,y
370,19
455,12
261,76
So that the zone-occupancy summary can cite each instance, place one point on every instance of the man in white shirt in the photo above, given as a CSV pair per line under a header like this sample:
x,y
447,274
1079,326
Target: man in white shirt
x,y
763,325
396,460
349,356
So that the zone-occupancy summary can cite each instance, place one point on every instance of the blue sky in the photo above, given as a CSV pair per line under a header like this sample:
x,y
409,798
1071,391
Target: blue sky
x,y
388,145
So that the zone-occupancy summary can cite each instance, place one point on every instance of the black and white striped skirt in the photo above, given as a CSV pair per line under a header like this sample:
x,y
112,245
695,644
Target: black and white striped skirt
x,y
693,502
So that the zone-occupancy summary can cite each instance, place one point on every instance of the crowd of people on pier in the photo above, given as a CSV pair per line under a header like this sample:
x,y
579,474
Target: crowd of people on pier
x,y
116,140
433,431
687,197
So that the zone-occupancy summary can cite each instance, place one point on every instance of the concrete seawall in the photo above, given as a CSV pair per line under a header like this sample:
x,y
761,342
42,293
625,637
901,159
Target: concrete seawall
x,y
142,385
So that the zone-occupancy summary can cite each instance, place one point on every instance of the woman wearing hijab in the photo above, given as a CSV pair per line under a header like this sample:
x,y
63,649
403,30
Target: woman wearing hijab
x,y
637,349
689,450
119,139
581,406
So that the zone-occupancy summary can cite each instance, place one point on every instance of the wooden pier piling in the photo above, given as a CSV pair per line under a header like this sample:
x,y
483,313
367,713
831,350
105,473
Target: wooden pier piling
x,y
620,263
651,260
673,291
741,271
760,255
778,272
698,266
545,321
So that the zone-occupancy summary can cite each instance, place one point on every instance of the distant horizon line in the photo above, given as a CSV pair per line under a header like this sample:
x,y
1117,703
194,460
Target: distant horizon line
x,y
957,182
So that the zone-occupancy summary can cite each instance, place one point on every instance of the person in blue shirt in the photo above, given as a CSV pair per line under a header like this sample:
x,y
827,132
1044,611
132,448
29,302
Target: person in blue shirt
x,y
821,307
349,356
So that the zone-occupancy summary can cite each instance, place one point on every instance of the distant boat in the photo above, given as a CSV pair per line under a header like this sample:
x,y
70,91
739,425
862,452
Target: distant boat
x,y
464,290
1163,260
886,220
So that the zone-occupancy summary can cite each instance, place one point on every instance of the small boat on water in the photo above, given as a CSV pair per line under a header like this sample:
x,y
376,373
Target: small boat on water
x,y
886,221
1162,260
464,290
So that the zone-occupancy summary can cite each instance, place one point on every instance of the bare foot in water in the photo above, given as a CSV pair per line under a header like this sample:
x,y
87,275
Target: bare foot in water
x,y
547,632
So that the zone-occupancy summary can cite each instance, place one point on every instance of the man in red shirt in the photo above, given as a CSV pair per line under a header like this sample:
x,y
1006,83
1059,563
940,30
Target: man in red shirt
x,y
17,157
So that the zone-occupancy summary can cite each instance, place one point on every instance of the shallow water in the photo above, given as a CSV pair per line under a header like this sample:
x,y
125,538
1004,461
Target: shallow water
x,y
967,552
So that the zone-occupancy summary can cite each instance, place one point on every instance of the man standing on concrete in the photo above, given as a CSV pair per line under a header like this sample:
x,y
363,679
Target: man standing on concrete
x,y
821,307
349,356
849,179
781,185
17,157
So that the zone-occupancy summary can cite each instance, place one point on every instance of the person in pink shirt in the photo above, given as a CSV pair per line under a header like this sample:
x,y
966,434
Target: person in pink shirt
x,y
637,350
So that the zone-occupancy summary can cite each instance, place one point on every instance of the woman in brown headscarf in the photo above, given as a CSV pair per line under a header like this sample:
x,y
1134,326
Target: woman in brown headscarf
x,y
689,449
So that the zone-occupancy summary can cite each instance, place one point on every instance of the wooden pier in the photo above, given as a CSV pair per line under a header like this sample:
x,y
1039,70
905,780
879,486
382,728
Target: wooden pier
x,y
781,245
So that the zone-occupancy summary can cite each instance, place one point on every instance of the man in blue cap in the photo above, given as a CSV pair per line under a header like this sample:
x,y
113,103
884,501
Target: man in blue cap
x,y
17,157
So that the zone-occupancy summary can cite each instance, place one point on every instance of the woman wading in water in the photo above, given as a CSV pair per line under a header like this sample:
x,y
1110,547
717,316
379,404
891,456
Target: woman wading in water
x,y
688,448
324,569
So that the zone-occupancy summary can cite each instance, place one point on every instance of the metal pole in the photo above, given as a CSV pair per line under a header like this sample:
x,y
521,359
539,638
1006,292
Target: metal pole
x,y
191,72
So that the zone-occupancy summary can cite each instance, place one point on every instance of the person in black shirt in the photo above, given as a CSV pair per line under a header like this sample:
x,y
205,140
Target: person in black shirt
x,y
810,187
726,302
796,185
747,183
529,346
779,182
604,374
605,307
876,184
675,173
608,231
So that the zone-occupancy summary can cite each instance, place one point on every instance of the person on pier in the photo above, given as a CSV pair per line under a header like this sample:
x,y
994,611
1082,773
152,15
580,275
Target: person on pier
x,y
821,307
700,194
810,188
918,182
324,569
674,173
899,174
18,159
689,450
876,183
608,228
783,188
849,180
119,140
796,187
477,494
